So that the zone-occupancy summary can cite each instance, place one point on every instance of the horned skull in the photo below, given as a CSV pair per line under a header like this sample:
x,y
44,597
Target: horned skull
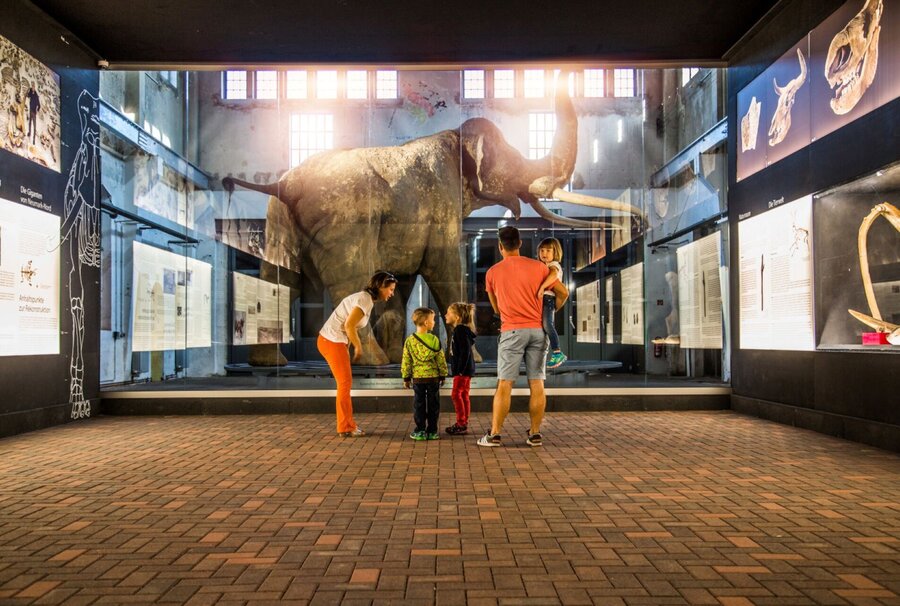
x,y
781,120
853,57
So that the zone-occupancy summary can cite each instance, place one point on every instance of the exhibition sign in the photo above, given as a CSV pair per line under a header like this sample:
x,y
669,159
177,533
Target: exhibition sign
x,y
587,299
29,281
776,278
171,300
262,311
700,293
633,304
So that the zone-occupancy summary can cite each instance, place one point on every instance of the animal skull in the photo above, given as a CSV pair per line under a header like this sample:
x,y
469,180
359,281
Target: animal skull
x,y
892,214
781,120
853,57
750,125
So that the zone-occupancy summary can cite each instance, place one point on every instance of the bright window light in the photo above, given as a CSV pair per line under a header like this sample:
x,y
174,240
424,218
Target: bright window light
x,y
572,91
326,84
541,128
386,84
504,83
620,131
687,73
534,82
624,82
595,151
473,83
357,84
593,82
267,85
236,85
310,134
296,84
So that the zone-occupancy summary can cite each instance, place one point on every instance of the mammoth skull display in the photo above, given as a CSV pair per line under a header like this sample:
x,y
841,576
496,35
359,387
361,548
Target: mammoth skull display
x,y
781,120
853,57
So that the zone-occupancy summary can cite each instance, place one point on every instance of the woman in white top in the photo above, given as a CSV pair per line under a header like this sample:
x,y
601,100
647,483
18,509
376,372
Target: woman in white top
x,y
340,332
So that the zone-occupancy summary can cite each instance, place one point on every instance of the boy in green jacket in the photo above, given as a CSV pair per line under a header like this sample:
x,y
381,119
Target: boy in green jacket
x,y
425,367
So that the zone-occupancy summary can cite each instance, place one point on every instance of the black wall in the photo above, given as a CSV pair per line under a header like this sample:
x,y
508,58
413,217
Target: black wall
x,y
849,394
36,389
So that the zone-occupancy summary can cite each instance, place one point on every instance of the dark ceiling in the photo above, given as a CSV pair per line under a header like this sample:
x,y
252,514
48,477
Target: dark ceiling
x,y
227,32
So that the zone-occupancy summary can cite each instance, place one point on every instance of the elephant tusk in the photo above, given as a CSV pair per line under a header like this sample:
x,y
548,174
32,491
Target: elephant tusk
x,y
595,202
878,325
889,212
554,218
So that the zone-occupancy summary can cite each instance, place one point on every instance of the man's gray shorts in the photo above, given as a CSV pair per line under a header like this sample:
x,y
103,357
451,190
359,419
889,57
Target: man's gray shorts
x,y
530,343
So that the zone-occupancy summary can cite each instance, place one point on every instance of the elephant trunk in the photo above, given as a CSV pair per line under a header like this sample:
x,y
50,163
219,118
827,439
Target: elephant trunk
x,y
554,170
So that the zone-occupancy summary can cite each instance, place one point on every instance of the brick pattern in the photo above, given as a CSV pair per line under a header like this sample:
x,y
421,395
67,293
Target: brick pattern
x,y
616,508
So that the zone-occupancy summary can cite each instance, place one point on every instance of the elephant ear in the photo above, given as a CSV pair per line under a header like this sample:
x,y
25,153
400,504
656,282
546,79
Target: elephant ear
x,y
283,243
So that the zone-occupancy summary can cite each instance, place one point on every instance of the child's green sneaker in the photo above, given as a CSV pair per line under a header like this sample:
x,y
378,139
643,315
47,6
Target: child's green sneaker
x,y
418,436
433,436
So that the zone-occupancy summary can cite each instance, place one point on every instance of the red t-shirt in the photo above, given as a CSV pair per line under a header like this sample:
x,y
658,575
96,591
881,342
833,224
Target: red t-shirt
x,y
515,281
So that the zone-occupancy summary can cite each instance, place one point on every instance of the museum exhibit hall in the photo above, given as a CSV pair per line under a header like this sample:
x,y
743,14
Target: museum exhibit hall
x,y
194,198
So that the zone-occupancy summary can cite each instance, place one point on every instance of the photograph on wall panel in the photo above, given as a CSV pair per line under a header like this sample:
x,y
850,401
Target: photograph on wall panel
x,y
776,280
847,64
29,95
751,143
787,101
857,242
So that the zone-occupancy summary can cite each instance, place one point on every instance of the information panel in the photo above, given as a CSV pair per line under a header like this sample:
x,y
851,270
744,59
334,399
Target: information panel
x,y
29,281
609,332
633,304
588,309
776,296
171,301
700,293
262,311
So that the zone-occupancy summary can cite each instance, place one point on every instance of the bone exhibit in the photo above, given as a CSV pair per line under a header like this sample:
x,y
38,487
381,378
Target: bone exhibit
x,y
853,57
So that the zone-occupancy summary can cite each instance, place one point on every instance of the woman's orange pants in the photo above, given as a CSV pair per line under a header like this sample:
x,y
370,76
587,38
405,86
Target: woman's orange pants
x,y
338,357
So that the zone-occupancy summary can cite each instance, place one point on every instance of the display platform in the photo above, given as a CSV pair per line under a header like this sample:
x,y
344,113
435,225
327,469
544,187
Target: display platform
x,y
482,369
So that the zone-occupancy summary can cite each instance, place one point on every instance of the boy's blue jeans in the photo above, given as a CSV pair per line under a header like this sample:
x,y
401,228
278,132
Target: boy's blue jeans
x,y
549,326
426,406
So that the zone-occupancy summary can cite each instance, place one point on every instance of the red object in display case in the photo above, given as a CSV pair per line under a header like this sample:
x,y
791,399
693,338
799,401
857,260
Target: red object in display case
x,y
874,338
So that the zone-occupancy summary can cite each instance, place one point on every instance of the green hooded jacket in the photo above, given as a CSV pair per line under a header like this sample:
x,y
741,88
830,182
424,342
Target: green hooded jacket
x,y
423,358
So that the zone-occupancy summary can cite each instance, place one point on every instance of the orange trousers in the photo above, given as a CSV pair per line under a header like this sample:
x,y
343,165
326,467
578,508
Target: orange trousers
x,y
338,357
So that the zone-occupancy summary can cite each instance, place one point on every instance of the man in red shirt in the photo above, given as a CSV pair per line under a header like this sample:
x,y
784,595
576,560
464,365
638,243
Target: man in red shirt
x,y
513,286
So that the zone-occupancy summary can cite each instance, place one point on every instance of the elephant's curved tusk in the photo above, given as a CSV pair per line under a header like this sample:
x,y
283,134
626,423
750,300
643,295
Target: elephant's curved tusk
x,y
878,325
554,218
889,212
595,202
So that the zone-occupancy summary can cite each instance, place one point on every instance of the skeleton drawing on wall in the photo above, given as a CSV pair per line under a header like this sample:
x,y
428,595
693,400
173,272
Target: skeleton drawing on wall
x,y
853,57
781,119
750,125
81,233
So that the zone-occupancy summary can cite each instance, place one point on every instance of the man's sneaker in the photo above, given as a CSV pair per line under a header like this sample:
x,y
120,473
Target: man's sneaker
x,y
457,430
556,359
418,436
534,440
433,436
356,433
489,440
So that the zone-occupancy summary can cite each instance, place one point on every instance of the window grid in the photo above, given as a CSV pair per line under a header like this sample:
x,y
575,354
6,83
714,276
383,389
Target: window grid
x,y
326,84
504,83
310,134
357,84
473,83
296,86
534,83
235,85
541,128
593,83
386,84
624,83
267,84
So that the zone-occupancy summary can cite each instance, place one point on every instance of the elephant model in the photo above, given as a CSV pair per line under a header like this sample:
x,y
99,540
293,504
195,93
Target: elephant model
x,y
347,213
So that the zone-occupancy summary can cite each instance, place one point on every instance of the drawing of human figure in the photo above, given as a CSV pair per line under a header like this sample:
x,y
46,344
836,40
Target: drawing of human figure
x,y
81,230
34,105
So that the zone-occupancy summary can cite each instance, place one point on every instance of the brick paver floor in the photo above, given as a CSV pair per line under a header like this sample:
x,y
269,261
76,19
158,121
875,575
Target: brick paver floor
x,y
616,508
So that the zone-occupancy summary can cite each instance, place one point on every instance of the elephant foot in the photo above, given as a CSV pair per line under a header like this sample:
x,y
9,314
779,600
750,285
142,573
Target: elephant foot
x,y
266,355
